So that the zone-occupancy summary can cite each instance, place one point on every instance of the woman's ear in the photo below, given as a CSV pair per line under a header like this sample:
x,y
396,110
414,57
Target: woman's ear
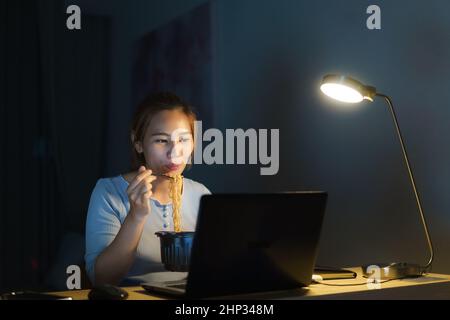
x,y
137,144
138,147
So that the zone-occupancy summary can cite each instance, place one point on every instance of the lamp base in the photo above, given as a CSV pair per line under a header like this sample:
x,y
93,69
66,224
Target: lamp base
x,y
395,270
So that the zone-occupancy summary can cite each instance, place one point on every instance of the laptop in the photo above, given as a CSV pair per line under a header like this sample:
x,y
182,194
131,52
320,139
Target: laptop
x,y
251,243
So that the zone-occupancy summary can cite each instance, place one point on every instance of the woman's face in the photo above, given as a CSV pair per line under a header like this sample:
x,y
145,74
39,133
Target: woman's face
x,y
168,142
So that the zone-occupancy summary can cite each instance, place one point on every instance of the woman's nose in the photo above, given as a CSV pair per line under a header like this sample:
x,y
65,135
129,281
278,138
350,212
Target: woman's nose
x,y
176,150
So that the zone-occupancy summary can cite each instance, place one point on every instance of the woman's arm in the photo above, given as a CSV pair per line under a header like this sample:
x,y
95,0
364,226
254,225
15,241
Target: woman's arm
x,y
115,260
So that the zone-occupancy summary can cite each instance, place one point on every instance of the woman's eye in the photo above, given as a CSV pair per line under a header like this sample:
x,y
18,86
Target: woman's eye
x,y
161,141
184,139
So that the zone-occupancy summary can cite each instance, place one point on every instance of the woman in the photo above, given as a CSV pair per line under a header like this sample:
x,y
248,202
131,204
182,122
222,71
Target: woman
x,y
125,211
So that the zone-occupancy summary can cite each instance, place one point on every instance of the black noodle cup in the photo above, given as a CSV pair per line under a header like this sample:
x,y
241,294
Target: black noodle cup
x,y
176,249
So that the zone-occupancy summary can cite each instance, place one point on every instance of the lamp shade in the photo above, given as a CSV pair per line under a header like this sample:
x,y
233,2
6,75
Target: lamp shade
x,y
346,89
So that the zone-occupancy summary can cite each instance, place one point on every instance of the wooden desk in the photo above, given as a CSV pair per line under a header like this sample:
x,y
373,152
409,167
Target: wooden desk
x,y
431,286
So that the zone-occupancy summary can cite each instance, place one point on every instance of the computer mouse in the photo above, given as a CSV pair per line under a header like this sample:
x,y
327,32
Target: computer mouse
x,y
107,292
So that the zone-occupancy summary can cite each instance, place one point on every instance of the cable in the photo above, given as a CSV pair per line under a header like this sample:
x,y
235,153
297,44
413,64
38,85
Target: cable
x,y
355,284
351,284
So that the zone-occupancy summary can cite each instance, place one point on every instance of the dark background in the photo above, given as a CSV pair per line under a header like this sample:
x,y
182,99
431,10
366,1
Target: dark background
x,y
66,105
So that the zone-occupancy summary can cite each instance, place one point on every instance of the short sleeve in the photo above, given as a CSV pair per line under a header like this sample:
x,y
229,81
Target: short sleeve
x,y
102,224
205,190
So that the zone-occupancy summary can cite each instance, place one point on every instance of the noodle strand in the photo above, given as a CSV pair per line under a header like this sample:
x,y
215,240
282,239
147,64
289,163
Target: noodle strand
x,y
176,185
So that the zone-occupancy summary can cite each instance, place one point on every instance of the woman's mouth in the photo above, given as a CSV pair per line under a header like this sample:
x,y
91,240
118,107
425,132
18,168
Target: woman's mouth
x,y
173,167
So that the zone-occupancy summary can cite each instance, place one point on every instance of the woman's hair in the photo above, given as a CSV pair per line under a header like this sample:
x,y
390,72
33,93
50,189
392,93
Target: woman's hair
x,y
146,110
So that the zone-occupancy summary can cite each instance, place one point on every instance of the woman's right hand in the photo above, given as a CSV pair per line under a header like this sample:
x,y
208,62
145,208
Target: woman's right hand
x,y
139,192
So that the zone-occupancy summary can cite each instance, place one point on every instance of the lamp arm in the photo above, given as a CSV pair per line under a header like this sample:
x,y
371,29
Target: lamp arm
x,y
411,177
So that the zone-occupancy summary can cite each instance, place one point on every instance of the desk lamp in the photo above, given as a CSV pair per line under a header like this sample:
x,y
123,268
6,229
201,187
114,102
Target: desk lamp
x,y
348,90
